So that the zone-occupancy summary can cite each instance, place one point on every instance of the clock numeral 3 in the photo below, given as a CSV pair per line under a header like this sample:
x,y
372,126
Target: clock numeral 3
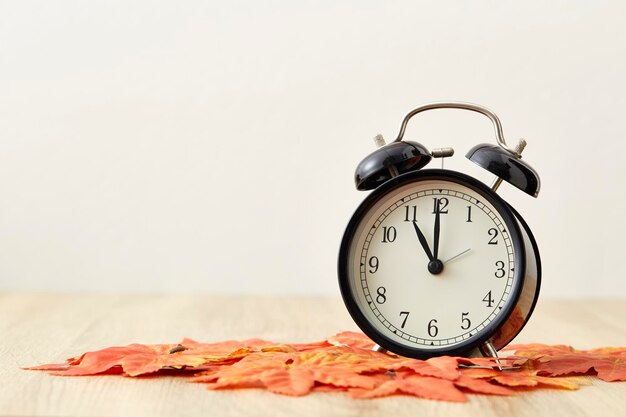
x,y
406,316
373,262
381,297
432,328
493,232
389,234
488,299
465,322
500,271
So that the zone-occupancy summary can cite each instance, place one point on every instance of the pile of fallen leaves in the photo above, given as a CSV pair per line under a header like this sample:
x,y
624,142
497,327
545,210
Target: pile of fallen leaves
x,y
346,362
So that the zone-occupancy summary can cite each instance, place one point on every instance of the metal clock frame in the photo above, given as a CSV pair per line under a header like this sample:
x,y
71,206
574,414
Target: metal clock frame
x,y
524,293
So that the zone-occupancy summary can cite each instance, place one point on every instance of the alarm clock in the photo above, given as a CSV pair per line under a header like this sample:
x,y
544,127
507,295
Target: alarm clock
x,y
434,262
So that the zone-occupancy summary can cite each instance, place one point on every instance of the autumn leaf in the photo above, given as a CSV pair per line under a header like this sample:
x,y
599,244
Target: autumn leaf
x,y
480,386
292,381
523,378
352,339
608,363
346,362
137,359
444,367
245,373
417,385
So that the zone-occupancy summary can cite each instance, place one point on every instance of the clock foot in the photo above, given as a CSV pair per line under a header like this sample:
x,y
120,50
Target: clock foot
x,y
488,351
377,348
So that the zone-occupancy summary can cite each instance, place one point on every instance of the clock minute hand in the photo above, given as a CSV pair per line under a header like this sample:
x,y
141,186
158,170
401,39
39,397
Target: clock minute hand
x,y
437,230
423,241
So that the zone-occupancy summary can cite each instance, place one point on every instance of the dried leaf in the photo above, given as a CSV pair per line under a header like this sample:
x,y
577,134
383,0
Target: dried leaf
x,y
346,362
608,363
523,378
290,381
352,339
417,385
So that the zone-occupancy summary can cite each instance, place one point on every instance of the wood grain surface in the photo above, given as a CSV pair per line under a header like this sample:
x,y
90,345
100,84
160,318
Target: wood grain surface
x,y
44,328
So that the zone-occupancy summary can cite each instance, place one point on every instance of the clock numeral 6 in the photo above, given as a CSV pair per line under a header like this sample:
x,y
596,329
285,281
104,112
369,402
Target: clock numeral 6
x,y
465,322
406,316
432,328
373,263
381,297
500,271
389,234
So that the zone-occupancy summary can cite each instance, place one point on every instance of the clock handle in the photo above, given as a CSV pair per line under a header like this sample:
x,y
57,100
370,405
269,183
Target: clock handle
x,y
463,106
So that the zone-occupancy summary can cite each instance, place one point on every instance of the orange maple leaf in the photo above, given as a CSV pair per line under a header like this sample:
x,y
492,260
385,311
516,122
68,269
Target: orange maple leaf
x,y
137,359
523,378
608,363
346,362
417,385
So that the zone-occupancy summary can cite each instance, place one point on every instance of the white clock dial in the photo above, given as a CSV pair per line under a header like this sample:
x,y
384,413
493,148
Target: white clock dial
x,y
461,293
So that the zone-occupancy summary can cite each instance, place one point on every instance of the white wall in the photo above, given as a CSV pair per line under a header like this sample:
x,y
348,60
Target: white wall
x,y
210,146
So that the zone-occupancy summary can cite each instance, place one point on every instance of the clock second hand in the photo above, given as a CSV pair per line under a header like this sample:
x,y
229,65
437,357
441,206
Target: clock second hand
x,y
457,255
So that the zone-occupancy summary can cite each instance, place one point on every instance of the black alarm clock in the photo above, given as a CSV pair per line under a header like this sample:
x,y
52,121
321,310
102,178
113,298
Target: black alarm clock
x,y
434,262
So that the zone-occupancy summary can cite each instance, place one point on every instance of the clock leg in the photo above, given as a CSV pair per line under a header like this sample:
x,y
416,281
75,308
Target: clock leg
x,y
377,348
489,351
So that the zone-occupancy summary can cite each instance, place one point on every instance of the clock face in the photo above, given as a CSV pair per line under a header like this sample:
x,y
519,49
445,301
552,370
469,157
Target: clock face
x,y
431,265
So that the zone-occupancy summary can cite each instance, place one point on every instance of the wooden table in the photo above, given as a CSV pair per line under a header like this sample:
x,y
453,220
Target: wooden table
x,y
43,328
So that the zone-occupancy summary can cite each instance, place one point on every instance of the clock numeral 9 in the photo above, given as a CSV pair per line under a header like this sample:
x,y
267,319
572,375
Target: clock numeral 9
x,y
465,322
389,234
440,204
493,232
406,316
500,271
373,263
381,297
432,328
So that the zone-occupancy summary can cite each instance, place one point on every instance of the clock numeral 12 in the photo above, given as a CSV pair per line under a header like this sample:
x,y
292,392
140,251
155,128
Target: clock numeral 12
x,y
469,214
440,204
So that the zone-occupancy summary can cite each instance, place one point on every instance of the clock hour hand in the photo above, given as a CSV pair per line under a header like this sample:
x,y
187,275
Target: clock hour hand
x,y
423,241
